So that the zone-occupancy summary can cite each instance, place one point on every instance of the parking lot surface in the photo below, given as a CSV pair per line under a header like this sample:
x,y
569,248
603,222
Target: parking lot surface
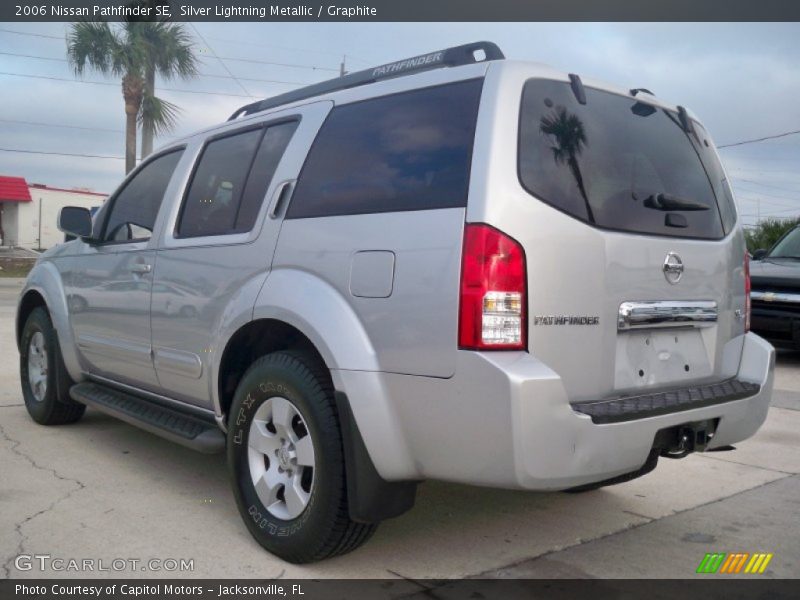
x,y
103,490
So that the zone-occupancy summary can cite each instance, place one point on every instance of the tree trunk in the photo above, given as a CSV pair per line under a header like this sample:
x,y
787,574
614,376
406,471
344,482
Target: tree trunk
x,y
132,91
130,137
148,132
576,172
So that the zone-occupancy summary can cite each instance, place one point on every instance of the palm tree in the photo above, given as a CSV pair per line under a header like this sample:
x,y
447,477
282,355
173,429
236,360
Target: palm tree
x,y
569,136
112,52
169,53
135,51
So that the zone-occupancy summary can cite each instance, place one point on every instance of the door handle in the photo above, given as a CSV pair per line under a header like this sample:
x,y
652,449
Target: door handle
x,y
141,268
283,193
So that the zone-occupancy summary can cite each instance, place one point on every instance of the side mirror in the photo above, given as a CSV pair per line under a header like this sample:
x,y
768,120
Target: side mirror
x,y
75,221
759,254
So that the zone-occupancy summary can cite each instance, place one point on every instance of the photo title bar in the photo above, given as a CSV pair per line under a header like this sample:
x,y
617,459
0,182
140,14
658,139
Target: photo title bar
x,y
395,10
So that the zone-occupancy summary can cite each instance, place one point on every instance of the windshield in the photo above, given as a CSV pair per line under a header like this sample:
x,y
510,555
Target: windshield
x,y
621,164
788,246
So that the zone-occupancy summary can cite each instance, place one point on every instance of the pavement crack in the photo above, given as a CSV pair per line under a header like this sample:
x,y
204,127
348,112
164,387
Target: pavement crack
x,y
625,529
735,462
635,514
15,449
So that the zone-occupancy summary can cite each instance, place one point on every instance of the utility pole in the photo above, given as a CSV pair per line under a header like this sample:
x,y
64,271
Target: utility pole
x,y
342,70
39,240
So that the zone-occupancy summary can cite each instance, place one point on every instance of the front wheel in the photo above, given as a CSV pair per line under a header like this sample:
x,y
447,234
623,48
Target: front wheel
x,y
286,460
44,378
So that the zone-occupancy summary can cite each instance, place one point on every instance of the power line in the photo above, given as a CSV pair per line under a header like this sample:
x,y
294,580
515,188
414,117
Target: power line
x,y
63,126
199,74
771,159
106,83
779,212
21,151
59,125
257,45
32,56
761,139
767,185
760,193
224,66
794,172
278,64
296,83
298,66
39,35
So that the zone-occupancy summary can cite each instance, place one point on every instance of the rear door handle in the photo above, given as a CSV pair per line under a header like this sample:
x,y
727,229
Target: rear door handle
x,y
282,196
141,268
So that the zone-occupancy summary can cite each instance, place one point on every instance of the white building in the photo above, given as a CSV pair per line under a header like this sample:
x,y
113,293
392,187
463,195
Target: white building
x,y
29,212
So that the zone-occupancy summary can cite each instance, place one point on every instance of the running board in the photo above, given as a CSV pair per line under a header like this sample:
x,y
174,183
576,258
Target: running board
x,y
168,423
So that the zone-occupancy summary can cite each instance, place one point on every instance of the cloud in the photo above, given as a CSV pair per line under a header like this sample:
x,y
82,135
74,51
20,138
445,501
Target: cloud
x,y
739,78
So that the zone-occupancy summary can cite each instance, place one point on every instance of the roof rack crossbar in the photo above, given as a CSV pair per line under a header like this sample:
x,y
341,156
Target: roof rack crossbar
x,y
451,57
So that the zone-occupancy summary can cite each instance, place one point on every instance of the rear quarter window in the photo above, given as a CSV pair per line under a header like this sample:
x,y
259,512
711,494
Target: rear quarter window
x,y
407,151
619,163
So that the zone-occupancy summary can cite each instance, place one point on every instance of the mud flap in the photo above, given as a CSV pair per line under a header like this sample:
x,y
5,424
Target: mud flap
x,y
371,499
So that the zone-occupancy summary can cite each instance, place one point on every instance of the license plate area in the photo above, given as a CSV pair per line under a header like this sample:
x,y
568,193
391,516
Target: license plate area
x,y
680,440
651,358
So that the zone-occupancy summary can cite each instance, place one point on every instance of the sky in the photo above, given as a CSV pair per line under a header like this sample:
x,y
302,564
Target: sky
x,y
741,79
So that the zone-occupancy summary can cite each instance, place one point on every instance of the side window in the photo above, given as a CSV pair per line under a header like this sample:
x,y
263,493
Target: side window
x,y
408,151
231,179
134,209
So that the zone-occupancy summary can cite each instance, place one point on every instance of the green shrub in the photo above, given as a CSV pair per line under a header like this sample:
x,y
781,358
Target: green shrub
x,y
767,232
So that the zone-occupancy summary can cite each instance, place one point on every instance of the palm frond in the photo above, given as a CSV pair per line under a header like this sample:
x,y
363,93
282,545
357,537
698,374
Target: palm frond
x,y
91,44
160,115
170,50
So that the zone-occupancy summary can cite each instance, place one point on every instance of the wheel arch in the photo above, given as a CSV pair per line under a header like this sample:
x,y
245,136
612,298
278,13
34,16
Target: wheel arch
x,y
45,288
329,322
30,300
252,340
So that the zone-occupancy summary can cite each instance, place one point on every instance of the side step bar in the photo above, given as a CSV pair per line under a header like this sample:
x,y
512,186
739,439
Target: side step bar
x,y
169,423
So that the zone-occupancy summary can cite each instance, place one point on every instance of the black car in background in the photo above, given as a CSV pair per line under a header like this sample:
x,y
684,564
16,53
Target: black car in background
x,y
775,295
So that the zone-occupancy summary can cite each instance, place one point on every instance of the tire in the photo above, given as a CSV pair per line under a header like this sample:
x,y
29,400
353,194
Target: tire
x,y
43,376
272,387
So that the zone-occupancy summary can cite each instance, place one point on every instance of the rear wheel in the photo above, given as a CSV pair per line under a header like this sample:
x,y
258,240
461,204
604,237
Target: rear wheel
x,y
44,378
286,460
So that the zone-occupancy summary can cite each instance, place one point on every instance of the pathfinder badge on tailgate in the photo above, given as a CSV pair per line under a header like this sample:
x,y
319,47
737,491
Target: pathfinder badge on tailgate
x,y
565,320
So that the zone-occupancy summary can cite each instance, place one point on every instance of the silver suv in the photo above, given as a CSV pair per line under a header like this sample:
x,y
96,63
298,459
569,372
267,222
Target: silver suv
x,y
451,267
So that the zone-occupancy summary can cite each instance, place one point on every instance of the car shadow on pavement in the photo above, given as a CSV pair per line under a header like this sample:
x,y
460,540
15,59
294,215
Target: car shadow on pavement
x,y
446,515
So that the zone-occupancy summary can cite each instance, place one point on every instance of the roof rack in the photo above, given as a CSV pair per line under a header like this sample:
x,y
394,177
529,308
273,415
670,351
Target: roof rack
x,y
451,57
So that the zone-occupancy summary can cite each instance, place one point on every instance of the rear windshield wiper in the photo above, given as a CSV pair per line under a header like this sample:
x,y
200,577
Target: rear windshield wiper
x,y
670,202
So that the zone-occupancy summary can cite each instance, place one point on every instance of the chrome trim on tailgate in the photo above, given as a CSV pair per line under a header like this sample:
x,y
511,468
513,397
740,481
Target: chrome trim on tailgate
x,y
775,297
666,313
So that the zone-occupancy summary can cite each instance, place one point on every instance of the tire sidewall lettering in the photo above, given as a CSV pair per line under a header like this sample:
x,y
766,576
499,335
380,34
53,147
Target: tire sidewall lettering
x,y
255,396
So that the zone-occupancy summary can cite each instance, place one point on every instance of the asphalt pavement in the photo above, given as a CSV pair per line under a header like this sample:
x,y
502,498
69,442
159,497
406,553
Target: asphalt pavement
x,y
101,490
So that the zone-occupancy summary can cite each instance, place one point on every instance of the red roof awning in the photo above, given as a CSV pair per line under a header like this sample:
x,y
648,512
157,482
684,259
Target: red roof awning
x,y
14,189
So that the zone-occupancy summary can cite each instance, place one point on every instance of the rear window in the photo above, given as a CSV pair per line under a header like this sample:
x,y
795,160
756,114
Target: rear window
x,y
407,151
621,164
231,180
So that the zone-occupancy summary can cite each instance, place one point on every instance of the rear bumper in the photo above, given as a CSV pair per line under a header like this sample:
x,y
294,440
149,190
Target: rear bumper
x,y
504,420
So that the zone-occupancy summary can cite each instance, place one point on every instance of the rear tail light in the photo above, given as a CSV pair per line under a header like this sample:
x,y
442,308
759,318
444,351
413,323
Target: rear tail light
x,y
493,303
747,305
